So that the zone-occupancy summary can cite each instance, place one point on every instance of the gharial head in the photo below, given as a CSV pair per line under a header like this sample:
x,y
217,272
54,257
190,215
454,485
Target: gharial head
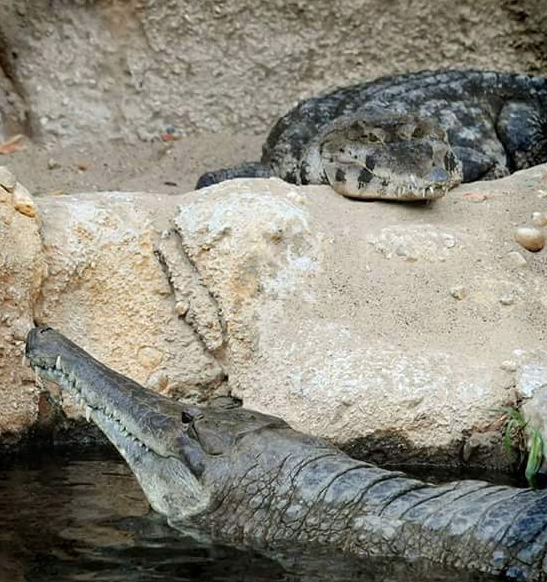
x,y
373,155
167,444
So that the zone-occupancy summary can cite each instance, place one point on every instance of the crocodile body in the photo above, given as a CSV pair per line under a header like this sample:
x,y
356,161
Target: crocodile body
x,y
494,124
247,477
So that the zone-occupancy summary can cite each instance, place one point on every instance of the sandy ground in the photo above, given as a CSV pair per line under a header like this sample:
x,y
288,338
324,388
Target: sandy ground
x,y
167,167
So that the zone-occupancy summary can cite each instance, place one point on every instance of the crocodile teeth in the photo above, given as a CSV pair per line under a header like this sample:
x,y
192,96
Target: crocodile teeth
x,y
58,363
88,413
24,359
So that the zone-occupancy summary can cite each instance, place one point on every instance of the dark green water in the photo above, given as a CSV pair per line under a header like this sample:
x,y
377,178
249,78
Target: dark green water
x,y
81,517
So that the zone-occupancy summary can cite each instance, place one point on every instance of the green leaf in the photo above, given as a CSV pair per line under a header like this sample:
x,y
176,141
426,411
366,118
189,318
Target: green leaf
x,y
535,458
513,413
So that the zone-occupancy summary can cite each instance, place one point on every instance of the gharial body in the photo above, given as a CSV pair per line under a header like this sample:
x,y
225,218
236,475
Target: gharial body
x,y
247,477
407,137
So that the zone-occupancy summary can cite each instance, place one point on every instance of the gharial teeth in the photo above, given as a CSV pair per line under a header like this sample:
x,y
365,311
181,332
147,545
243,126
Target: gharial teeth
x,y
88,413
58,363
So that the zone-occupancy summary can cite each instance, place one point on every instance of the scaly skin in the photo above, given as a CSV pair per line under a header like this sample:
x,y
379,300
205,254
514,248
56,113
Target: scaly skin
x,y
495,123
248,477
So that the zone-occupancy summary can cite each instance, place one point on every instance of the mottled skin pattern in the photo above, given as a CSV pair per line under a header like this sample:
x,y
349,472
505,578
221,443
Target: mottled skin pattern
x,y
496,123
247,477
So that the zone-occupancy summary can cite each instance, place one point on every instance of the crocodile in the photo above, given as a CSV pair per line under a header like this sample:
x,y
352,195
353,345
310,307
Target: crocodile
x,y
248,478
407,137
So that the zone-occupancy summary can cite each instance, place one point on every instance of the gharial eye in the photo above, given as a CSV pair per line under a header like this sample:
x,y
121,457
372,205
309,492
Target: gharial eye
x,y
186,418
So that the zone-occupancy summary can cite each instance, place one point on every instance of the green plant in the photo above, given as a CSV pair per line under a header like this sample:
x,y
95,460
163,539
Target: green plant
x,y
517,428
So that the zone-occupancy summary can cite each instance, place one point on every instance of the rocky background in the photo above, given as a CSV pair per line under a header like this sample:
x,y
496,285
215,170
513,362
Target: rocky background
x,y
396,331
131,69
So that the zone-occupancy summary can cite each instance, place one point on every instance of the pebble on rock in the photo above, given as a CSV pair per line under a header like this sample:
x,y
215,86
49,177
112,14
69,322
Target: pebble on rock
x,y
539,218
517,259
23,202
509,366
507,300
531,238
458,292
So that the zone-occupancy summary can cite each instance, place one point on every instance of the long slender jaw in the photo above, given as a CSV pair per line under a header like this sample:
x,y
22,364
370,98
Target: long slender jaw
x,y
144,426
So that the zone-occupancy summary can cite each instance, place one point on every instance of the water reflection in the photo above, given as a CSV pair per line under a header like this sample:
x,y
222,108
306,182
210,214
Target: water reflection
x,y
70,519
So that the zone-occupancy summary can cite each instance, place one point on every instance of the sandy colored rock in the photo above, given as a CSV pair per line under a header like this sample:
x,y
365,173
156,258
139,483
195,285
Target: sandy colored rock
x,y
331,326
107,290
131,70
531,238
22,268
287,291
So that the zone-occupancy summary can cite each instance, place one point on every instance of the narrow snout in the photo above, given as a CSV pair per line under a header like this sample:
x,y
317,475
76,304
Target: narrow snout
x,y
151,418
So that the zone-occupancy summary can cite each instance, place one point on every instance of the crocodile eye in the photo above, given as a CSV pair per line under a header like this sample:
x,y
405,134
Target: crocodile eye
x,y
420,131
44,329
186,418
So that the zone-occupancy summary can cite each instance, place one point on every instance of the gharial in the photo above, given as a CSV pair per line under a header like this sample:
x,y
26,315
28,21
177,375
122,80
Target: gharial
x,y
407,137
247,477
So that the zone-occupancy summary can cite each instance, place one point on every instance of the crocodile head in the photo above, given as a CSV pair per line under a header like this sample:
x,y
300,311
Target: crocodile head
x,y
379,156
167,444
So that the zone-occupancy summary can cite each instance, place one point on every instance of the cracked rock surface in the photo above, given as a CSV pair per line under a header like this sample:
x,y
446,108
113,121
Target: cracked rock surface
x,y
106,289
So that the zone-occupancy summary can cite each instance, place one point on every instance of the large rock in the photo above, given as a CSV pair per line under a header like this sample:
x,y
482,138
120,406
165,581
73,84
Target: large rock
x,y
131,69
91,271
107,290
374,324
22,268
383,327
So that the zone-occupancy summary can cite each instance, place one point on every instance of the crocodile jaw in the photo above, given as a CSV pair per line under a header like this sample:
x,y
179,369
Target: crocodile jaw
x,y
167,481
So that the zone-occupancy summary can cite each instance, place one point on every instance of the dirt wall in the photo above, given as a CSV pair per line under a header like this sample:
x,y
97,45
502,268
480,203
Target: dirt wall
x,y
133,69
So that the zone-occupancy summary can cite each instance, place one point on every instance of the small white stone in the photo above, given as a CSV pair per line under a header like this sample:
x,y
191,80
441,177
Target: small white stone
x,y
507,300
539,218
517,259
509,366
52,164
449,242
7,179
531,238
458,292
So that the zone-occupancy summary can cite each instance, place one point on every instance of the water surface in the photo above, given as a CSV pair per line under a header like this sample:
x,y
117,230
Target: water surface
x,y
80,516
